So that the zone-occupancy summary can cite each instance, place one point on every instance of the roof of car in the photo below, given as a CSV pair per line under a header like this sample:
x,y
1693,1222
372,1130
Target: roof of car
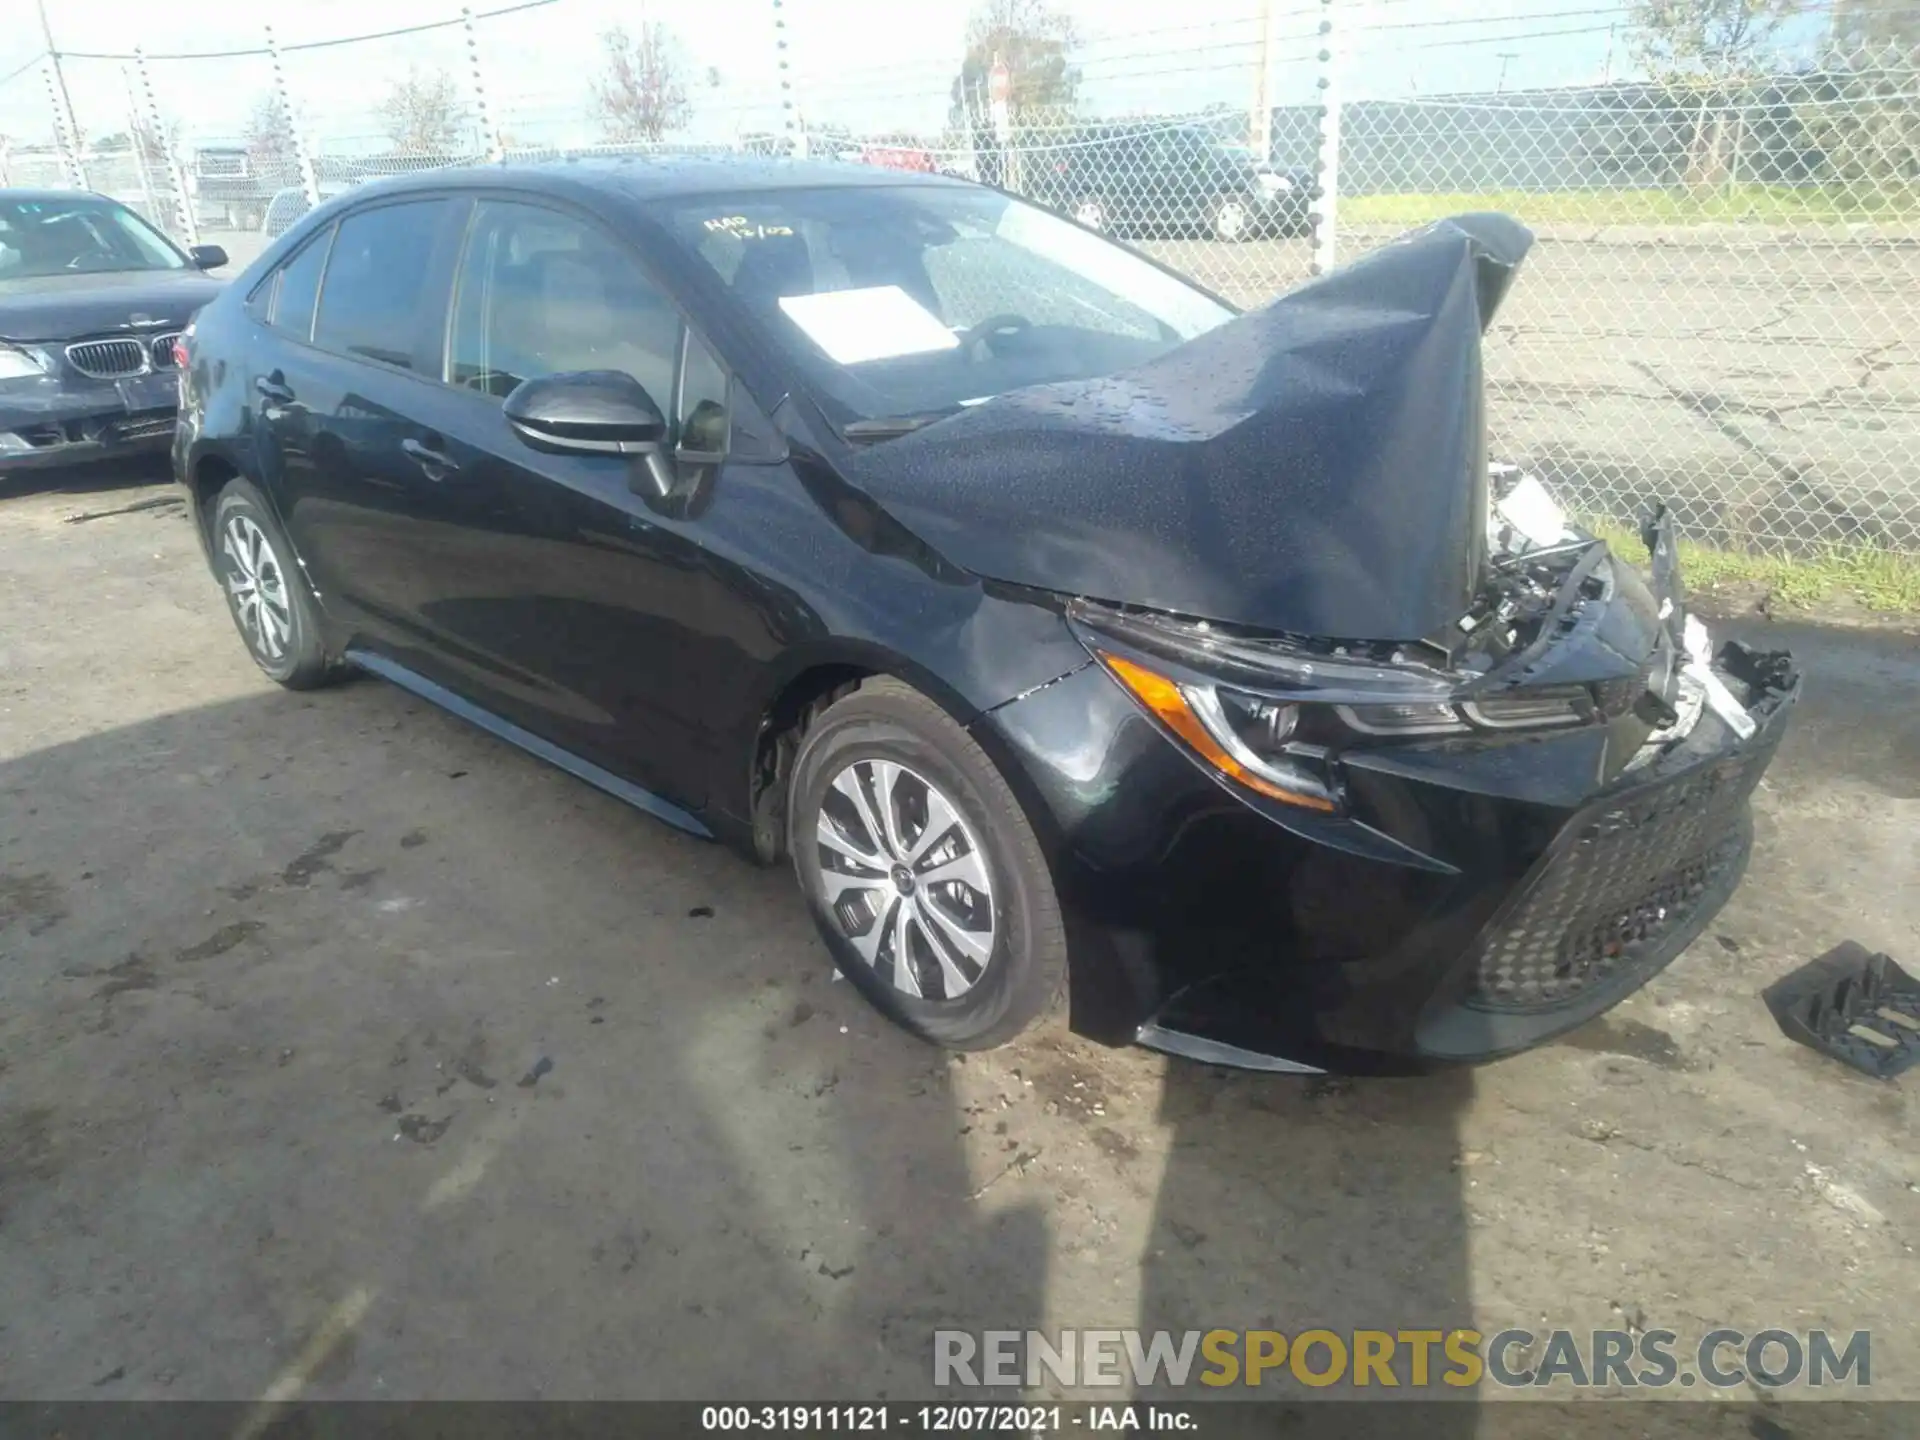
x,y
667,177
49,195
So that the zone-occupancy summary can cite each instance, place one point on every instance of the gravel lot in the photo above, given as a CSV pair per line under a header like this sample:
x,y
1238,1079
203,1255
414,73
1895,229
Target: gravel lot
x,y
346,1052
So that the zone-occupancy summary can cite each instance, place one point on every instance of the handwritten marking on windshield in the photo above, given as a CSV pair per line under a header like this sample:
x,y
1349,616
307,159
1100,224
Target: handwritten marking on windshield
x,y
744,228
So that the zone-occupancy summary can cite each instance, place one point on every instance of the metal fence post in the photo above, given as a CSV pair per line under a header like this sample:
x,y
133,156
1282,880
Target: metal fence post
x,y
66,133
62,106
794,122
496,146
1326,211
147,196
309,184
1260,122
149,105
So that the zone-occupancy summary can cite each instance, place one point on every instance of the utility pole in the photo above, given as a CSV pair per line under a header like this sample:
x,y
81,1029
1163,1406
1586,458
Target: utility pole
x,y
1506,58
63,102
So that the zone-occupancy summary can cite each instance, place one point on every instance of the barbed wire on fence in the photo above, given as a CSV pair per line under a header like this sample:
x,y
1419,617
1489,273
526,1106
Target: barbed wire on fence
x,y
1720,311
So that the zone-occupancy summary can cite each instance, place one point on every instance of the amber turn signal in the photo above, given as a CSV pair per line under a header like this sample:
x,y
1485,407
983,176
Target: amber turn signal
x,y
1166,700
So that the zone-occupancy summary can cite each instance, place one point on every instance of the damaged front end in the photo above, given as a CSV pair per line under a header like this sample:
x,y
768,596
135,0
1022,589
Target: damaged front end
x,y
1384,763
54,413
1509,824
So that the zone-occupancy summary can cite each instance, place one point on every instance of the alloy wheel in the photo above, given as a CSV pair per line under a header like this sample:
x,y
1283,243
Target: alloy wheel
x,y
905,879
1230,220
1091,214
257,587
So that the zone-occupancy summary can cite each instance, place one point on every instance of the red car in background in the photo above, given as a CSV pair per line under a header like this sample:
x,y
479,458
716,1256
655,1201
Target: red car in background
x,y
898,157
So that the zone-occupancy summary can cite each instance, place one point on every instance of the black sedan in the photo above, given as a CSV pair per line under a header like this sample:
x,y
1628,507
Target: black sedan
x,y
1068,632
92,299
1165,180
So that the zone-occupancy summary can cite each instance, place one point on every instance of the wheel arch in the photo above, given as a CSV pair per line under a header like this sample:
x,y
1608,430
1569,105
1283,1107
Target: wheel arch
x,y
211,473
795,694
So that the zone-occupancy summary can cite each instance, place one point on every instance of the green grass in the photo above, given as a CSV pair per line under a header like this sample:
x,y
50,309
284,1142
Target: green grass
x,y
1752,204
1881,580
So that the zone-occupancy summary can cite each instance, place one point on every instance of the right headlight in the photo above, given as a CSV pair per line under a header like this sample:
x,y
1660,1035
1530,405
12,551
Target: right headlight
x,y
1275,720
1282,749
18,364
1245,737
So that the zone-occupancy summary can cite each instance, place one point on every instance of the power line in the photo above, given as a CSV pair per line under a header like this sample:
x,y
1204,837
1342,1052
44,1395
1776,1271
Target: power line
x,y
22,69
311,44
1493,39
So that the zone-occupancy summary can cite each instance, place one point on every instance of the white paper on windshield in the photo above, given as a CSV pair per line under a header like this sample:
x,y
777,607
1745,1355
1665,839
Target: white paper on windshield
x,y
872,324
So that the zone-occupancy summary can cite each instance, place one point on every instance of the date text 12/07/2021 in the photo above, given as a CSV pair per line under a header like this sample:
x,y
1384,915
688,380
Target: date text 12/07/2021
x,y
947,1419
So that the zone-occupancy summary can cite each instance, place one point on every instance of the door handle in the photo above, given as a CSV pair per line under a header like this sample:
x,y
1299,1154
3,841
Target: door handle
x,y
437,464
276,392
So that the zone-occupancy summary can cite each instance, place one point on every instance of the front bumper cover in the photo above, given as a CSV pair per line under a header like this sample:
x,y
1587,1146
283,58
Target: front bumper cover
x,y
66,420
1623,885
1477,897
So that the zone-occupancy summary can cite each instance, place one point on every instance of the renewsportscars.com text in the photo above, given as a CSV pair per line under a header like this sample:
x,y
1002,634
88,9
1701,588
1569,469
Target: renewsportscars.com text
x,y
1410,1358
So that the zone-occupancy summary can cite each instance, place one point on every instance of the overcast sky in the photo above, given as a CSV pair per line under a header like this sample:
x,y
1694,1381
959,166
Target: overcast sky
x,y
867,64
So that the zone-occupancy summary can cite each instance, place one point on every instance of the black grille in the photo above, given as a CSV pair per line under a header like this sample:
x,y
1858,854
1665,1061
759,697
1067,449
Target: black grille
x,y
147,425
161,349
1616,897
109,359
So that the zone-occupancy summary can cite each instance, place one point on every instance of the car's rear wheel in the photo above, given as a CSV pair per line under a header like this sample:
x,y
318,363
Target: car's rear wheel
x,y
922,872
1232,219
267,595
1091,213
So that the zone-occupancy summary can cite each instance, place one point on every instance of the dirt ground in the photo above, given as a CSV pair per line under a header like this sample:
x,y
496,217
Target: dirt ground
x,y
346,1052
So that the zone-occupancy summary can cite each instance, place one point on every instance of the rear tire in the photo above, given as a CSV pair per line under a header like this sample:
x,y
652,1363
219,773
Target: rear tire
x,y
1092,214
922,872
266,591
1233,219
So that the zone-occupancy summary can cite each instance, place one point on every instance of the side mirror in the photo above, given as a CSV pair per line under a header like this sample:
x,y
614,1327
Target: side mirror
x,y
207,257
587,412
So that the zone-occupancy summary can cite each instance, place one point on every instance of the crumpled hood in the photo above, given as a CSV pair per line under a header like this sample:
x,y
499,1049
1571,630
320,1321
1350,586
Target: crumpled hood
x,y
63,307
1317,467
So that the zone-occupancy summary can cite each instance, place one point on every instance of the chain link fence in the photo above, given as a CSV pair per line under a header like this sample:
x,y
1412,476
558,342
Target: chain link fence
x,y
1721,311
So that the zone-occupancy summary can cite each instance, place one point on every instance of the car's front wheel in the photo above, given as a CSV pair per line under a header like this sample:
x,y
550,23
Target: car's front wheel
x,y
921,870
1091,213
266,593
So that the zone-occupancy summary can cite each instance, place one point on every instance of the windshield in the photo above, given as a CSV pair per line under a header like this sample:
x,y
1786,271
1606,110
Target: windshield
x,y
908,300
80,236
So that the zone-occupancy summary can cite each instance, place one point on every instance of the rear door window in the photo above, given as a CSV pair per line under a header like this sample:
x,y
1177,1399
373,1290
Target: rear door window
x,y
376,282
298,286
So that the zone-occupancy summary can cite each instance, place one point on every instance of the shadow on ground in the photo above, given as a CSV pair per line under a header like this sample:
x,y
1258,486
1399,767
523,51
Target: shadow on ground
x,y
350,1052
86,479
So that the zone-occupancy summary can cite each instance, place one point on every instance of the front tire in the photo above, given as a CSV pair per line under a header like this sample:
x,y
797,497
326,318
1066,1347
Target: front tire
x,y
922,872
267,595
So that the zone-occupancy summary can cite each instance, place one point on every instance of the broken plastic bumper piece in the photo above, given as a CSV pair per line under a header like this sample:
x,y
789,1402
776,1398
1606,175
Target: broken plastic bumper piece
x,y
1854,1005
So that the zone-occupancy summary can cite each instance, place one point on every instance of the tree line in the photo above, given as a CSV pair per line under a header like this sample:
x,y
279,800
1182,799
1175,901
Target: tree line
x,y
1860,113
